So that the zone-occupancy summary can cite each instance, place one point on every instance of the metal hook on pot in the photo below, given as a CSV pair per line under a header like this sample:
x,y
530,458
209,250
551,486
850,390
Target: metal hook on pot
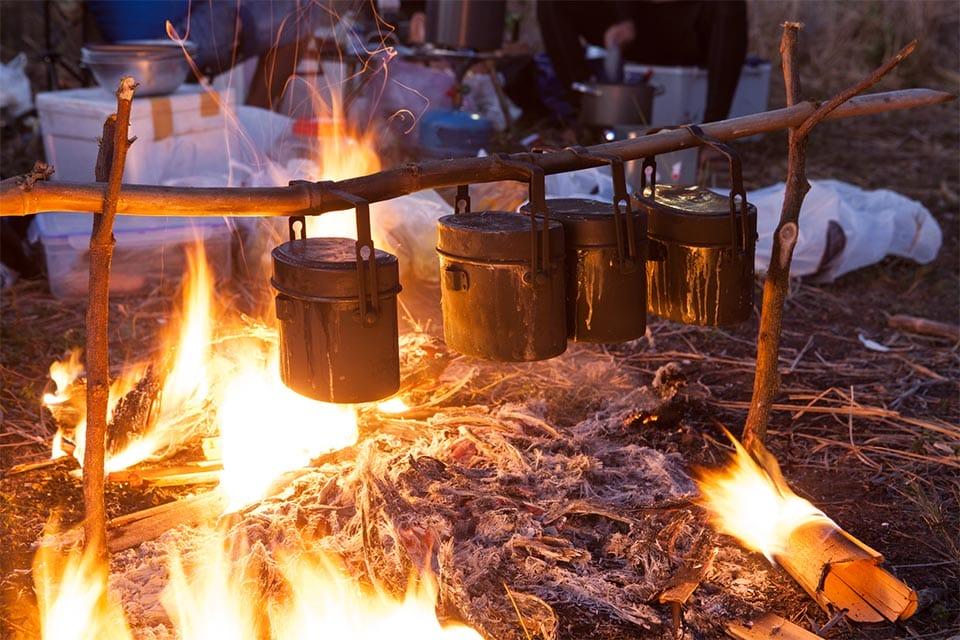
x,y
537,195
738,215
298,227
621,198
462,202
366,265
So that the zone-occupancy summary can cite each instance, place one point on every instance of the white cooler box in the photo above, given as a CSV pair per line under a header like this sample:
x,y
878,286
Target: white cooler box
x,y
682,91
682,99
149,250
182,139
178,135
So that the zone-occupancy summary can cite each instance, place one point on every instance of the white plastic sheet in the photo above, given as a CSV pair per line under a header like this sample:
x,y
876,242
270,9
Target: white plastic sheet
x,y
843,228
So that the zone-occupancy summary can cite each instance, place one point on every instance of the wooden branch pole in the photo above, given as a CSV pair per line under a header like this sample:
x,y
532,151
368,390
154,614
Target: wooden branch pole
x,y
766,382
316,198
109,169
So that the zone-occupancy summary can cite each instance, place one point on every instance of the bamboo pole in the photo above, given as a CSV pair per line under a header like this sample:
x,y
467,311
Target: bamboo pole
x,y
16,199
766,383
109,169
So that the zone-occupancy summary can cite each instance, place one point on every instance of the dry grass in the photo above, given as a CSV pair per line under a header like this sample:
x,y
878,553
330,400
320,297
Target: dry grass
x,y
842,41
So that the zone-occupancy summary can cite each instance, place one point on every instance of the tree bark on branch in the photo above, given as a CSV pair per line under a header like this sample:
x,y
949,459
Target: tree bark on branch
x,y
766,382
109,169
315,198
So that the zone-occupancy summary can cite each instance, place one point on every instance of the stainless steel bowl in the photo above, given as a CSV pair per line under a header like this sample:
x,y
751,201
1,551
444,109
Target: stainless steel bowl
x,y
159,69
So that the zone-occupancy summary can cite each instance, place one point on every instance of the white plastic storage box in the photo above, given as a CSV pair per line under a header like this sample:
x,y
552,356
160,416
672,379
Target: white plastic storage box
x,y
682,91
148,250
178,135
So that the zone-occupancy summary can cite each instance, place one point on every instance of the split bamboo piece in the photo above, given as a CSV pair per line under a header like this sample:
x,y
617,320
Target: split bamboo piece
x,y
842,573
770,626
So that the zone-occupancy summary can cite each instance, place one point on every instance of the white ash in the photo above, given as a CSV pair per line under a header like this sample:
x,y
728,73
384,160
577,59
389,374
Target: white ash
x,y
516,503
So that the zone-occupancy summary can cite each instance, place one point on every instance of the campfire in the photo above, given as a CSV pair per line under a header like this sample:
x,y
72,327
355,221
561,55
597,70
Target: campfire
x,y
331,466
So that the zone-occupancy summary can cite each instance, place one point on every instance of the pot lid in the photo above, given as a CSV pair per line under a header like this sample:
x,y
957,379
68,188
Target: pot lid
x,y
693,214
589,222
493,236
327,268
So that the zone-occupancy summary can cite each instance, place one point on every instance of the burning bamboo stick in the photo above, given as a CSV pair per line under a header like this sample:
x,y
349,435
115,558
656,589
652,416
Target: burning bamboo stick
x,y
754,504
18,198
842,573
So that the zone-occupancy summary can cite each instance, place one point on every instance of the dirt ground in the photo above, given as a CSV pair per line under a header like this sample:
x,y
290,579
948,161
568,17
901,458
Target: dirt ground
x,y
870,437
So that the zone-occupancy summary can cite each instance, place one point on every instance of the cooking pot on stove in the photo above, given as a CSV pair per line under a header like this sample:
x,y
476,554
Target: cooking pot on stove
x,y
700,269
336,303
610,105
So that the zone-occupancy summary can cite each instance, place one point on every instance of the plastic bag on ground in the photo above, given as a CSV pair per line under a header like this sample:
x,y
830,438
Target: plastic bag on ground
x,y
843,228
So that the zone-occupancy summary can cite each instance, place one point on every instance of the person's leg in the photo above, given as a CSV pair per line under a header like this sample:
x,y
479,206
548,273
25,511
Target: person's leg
x,y
722,29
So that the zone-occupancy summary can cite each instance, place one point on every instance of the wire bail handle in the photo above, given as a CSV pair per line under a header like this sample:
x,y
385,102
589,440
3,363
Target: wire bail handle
x,y
738,215
623,213
369,311
537,195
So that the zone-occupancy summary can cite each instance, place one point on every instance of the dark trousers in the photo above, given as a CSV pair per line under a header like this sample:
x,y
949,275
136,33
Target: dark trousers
x,y
707,34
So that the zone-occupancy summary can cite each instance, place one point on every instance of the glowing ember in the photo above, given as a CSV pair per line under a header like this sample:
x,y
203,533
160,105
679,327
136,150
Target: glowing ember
x,y
71,600
756,508
395,404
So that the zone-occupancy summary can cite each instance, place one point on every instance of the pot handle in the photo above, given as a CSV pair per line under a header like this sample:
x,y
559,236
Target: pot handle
x,y
369,311
537,194
462,202
738,215
628,255
736,187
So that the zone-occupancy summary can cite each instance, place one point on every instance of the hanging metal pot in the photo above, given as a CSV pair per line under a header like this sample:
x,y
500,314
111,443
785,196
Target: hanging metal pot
x,y
702,246
606,252
502,280
337,309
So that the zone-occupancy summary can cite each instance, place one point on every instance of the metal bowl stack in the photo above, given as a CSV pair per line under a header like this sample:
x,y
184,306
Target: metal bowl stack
x,y
159,66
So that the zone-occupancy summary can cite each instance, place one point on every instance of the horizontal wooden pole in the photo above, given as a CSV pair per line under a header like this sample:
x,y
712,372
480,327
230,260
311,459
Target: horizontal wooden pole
x,y
316,198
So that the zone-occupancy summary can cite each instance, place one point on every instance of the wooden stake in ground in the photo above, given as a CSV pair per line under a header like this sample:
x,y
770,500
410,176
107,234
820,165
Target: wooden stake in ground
x,y
109,169
766,382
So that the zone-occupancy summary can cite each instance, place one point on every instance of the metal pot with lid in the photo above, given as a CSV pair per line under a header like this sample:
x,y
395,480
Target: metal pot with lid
x,y
336,303
701,266
606,250
466,24
502,285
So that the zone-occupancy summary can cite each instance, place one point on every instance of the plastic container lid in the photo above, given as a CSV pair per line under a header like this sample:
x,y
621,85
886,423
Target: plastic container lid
x,y
692,215
589,222
327,268
493,236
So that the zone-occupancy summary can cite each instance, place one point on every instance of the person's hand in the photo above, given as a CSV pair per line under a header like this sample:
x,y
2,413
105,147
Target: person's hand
x,y
619,34
418,28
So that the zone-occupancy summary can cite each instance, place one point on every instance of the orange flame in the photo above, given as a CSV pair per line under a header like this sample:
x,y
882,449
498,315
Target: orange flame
x,y
752,505
221,597
71,598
